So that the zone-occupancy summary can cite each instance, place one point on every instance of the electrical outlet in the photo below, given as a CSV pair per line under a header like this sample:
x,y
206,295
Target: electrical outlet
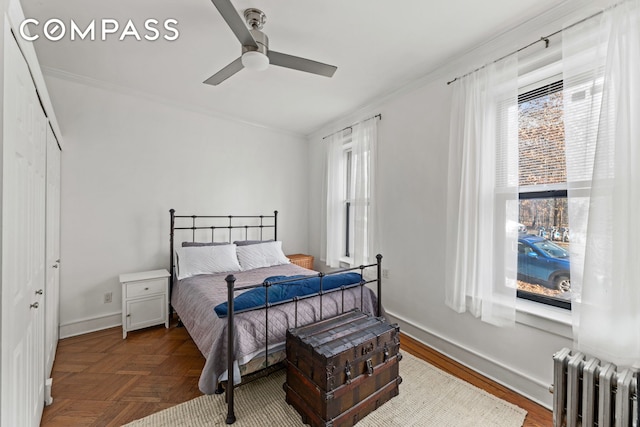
x,y
385,273
108,297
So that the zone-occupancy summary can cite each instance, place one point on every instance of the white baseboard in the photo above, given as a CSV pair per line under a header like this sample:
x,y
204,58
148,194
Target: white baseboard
x,y
525,385
90,324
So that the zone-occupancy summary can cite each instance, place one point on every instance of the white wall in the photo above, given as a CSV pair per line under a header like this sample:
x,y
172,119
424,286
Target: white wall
x,y
413,151
128,160
413,144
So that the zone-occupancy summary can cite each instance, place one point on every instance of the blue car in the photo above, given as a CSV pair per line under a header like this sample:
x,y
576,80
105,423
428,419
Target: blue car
x,y
542,262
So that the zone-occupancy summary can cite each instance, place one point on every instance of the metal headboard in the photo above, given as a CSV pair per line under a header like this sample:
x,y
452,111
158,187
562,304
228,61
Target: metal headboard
x,y
243,224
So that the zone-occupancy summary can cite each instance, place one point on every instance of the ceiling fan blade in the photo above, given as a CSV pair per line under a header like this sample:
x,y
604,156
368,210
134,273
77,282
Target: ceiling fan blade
x,y
225,73
301,64
235,22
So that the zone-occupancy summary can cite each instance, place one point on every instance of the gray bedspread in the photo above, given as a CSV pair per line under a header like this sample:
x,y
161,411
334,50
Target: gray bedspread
x,y
194,299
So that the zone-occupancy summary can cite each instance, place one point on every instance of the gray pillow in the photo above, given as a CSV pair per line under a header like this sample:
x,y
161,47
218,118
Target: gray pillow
x,y
187,244
250,242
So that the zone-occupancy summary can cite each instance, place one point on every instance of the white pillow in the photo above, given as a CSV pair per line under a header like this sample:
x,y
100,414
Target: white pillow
x,y
194,260
265,254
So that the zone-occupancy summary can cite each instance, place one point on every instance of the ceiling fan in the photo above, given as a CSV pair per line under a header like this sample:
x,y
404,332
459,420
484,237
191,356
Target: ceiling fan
x,y
255,47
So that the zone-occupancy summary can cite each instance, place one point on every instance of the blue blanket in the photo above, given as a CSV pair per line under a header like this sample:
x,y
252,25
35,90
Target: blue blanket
x,y
296,286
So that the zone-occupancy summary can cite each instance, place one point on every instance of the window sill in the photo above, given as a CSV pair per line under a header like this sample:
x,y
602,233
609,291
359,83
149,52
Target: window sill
x,y
346,262
547,318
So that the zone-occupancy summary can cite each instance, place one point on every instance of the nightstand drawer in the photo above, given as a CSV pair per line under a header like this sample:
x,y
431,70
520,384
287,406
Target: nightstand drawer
x,y
147,287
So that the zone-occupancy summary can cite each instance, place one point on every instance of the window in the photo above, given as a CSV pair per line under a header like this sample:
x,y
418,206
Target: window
x,y
350,173
348,201
356,209
544,233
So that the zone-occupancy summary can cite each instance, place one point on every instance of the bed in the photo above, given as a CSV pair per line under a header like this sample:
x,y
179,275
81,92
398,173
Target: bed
x,y
238,317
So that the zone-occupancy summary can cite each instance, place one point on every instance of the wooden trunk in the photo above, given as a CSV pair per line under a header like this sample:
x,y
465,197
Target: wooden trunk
x,y
341,369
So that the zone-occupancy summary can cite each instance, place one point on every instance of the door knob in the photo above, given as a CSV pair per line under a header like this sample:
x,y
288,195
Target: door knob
x,y
34,305
39,292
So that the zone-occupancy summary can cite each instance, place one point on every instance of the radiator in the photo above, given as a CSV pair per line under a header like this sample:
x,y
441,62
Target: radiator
x,y
589,392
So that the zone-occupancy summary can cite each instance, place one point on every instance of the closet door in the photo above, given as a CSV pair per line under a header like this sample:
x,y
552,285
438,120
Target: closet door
x,y
52,289
23,243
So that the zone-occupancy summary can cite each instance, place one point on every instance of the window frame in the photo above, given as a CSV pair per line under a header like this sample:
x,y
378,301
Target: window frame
x,y
347,233
542,191
349,159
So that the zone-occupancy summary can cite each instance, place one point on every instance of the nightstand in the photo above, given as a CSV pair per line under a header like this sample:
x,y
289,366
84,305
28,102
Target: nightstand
x,y
145,300
302,260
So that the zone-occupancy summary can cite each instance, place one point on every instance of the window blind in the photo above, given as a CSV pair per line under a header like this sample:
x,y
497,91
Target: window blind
x,y
541,142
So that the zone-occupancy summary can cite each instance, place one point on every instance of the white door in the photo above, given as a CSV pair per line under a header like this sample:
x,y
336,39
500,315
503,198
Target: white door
x,y
52,288
23,244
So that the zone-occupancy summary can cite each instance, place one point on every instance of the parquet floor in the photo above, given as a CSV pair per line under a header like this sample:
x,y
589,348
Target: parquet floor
x,y
99,379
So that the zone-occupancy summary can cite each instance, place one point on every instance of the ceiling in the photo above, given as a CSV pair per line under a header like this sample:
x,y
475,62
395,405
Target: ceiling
x,y
378,47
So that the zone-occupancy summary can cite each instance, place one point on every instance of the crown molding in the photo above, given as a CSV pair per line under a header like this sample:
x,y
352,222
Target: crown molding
x,y
137,93
462,62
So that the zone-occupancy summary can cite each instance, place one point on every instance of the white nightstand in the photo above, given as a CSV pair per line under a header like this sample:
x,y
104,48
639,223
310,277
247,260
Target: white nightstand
x,y
145,300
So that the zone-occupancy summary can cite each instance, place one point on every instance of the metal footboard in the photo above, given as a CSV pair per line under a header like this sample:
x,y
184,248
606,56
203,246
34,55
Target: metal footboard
x,y
231,292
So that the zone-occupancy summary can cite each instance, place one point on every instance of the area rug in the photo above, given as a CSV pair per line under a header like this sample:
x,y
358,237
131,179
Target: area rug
x,y
428,397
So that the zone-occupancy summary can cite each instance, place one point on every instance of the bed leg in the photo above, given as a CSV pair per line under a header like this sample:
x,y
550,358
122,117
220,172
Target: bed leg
x,y
180,324
231,417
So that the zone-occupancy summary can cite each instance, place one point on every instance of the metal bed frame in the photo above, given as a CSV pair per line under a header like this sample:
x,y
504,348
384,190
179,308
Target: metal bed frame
x,y
258,223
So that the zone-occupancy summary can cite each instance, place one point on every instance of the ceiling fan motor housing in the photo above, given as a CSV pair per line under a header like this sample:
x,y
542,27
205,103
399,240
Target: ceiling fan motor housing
x,y
255,20
261,40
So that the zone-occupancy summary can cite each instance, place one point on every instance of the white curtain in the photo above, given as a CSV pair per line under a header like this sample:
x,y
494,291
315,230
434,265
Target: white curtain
x,y
365,160
482,199
334,180
602,132
364,211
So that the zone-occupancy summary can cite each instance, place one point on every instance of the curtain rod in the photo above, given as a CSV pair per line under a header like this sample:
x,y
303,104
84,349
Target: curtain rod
x,y
545,39
351,127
